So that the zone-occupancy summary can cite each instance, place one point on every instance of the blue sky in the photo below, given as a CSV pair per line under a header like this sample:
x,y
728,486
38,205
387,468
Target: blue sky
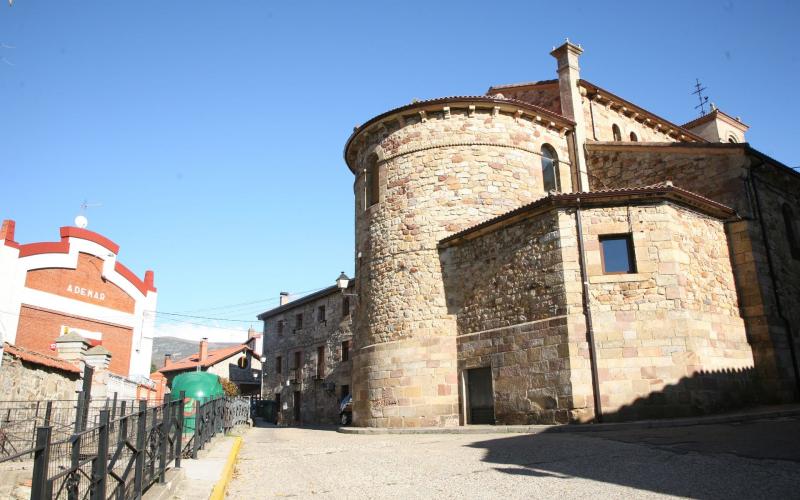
x,y
212,132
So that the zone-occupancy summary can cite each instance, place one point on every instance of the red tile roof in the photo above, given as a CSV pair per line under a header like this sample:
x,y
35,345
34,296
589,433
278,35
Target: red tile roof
x,y
214,357
40,359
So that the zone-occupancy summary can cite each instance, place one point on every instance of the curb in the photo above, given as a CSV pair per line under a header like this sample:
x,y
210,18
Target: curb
x,y
580,428
218,493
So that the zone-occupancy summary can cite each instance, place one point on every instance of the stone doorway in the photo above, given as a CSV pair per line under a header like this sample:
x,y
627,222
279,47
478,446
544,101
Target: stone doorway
x,y
480,396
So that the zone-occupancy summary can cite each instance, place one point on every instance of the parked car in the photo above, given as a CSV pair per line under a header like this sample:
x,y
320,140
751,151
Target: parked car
x,y
346,410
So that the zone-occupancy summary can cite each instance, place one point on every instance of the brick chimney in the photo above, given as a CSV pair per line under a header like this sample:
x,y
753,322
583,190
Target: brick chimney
x,y
203,349
284,298
167,360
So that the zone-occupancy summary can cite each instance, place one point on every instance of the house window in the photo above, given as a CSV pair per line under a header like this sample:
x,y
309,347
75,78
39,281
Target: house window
x,y
298,321
549,168
297,360
321,362
791,230
616,254
279,326
321,314
634,138
345,391
616,132
732,139
278,364
371,181
345,307
345,350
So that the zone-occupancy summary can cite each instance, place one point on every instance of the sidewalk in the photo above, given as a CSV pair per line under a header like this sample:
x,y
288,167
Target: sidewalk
x,y
758,413
197,478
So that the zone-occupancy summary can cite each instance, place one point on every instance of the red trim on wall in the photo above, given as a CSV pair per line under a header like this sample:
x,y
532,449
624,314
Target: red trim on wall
x,y
135,281
43,247
85,234
7,233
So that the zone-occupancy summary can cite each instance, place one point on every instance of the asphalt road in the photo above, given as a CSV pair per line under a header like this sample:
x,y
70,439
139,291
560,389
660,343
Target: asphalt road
x,y
757,459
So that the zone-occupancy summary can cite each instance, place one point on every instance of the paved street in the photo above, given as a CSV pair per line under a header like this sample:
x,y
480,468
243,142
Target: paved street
x,y
758,459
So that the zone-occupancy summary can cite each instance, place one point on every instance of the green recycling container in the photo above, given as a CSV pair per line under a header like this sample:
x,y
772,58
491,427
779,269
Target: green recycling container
x,y
198,387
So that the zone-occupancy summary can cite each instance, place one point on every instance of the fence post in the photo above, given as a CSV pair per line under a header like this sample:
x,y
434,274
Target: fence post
x,y
100,463
141,431
41,459
166,423
198,425
47,412
75,459
179,444
82,411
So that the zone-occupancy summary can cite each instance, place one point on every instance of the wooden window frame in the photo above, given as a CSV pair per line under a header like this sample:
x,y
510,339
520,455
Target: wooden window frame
x,y
631,252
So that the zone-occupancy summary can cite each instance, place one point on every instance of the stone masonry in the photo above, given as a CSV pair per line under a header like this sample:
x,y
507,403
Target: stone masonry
x,y
463,260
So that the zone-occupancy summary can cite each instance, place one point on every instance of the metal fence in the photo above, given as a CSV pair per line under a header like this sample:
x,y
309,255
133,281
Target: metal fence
x,y
110,448
117,458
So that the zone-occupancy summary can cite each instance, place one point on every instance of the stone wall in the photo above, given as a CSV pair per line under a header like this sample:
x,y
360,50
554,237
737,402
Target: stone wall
x,y
546,95
507,292
318,405
23,381
676,316
600,117
439,173
725,173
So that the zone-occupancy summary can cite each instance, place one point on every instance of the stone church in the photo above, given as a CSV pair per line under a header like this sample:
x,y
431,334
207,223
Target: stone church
x,y
551,252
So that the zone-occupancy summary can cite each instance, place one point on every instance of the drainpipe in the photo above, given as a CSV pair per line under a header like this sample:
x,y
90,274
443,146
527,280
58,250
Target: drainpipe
x,y
773,279
587,312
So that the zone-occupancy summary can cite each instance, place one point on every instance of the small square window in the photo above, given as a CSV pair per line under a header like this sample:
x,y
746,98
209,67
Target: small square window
x,y
321,314
616,254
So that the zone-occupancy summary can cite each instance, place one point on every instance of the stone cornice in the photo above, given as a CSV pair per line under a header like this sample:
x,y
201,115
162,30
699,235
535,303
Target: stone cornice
x,y
600,95
445,105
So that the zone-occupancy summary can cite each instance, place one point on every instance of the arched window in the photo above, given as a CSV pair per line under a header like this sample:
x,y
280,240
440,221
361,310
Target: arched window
x,y
549,168
371,181
791,230
732,139
633,137
616,132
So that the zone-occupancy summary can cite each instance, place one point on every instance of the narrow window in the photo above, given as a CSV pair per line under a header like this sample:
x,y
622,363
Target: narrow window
x,y
321,362
633,137
345,391
321,314
549,168
616,132
371,181
345,350
297,360
278,364
280,327
616,254
791,230
345,307
298,321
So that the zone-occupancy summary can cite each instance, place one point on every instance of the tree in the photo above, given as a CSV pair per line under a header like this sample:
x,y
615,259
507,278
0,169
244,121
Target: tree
x,y
229,387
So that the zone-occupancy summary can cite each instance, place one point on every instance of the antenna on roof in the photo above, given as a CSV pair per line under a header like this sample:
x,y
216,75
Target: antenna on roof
x,y
703,99
81,221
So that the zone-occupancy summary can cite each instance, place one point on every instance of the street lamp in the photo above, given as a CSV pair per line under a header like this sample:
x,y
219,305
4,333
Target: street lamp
x,y
341,283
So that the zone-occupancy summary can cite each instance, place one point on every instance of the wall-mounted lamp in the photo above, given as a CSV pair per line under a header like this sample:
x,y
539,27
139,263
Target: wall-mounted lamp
x,y
341,283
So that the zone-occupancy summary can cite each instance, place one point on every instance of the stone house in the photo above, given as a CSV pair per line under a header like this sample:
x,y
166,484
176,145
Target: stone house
x,y
239,363
551,252
307,352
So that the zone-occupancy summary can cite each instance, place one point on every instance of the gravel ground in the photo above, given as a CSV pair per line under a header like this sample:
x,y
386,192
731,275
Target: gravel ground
x,y
291,462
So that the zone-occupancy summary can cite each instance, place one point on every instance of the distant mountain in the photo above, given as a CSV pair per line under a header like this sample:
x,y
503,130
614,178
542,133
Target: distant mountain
x,y
180,348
